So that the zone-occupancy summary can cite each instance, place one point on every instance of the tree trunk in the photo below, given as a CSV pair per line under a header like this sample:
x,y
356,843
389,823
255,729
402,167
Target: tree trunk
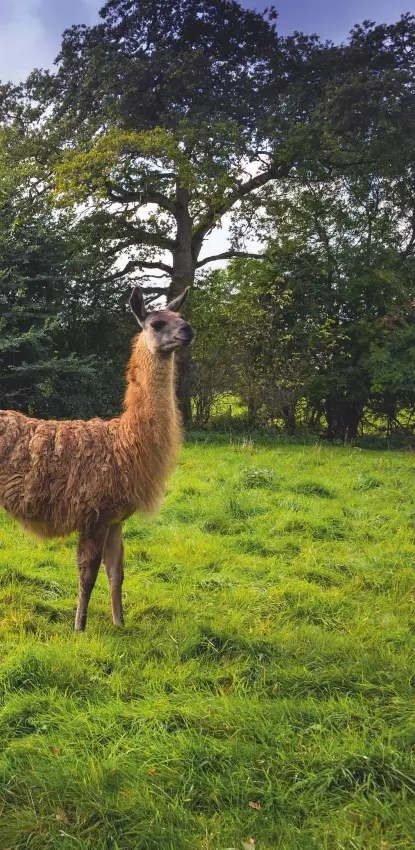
x,y
343,418
352,417
184,265
288,413
252,411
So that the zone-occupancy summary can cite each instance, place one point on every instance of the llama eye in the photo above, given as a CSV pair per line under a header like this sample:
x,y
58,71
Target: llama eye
x,y
157,326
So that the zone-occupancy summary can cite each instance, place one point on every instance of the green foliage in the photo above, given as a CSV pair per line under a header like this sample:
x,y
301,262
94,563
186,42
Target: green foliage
x,y
321,330
114,156
345,255
52,338
262,686
254,346
391,364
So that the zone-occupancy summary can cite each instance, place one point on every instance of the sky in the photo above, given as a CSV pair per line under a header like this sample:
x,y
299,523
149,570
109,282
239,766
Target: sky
x,y
30,30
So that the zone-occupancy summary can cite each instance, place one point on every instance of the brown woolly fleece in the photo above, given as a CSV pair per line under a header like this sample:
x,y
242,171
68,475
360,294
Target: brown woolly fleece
x,y
59,477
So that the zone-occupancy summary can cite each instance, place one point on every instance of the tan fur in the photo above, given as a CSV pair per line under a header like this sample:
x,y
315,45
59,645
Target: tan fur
x,y
59,477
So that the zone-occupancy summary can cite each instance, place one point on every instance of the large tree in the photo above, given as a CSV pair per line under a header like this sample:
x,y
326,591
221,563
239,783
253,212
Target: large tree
x,y
165,116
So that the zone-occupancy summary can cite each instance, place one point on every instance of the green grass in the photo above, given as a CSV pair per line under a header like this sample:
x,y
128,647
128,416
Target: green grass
x,y
262,694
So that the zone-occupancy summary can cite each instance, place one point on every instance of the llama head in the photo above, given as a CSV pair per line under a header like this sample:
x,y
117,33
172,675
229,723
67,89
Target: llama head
x,y
164,330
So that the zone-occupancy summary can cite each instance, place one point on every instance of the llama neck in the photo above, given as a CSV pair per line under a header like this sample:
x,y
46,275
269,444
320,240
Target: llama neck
x,y
150,392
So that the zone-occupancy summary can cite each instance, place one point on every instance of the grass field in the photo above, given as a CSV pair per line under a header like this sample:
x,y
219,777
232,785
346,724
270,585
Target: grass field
x,y
262,694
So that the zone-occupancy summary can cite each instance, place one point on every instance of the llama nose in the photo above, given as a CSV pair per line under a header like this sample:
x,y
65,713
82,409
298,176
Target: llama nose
x,y
187,333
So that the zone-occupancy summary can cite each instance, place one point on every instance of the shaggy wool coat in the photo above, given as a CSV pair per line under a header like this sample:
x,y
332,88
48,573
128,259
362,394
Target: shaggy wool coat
x,y
57,477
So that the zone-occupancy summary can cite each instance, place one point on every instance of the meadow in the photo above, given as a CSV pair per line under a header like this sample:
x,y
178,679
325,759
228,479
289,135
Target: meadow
x,y
262,693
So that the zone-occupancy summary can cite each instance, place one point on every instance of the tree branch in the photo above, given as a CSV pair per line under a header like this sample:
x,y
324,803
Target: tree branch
x,y
144,236
163,267
154,290
147,195
132,265
228,255
272,173
132,236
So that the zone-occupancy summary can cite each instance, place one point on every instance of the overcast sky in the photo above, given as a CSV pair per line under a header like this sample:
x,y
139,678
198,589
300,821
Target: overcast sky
x,y
30,30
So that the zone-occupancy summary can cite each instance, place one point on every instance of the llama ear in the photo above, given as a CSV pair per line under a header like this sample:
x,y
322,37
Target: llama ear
x,y
175,305
137,305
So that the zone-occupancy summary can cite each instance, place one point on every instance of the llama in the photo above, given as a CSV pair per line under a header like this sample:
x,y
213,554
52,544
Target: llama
x,y
57,477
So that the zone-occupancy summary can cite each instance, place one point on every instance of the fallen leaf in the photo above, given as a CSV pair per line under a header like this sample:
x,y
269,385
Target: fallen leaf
x,y
256,806
61,816
152,771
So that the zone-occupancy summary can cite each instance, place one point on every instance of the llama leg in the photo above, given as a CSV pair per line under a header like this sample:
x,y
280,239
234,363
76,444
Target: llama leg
x,y
114,567
89,558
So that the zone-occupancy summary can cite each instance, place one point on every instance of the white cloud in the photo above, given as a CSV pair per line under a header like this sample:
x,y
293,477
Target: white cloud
x,y
24,42
94,5
30,32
